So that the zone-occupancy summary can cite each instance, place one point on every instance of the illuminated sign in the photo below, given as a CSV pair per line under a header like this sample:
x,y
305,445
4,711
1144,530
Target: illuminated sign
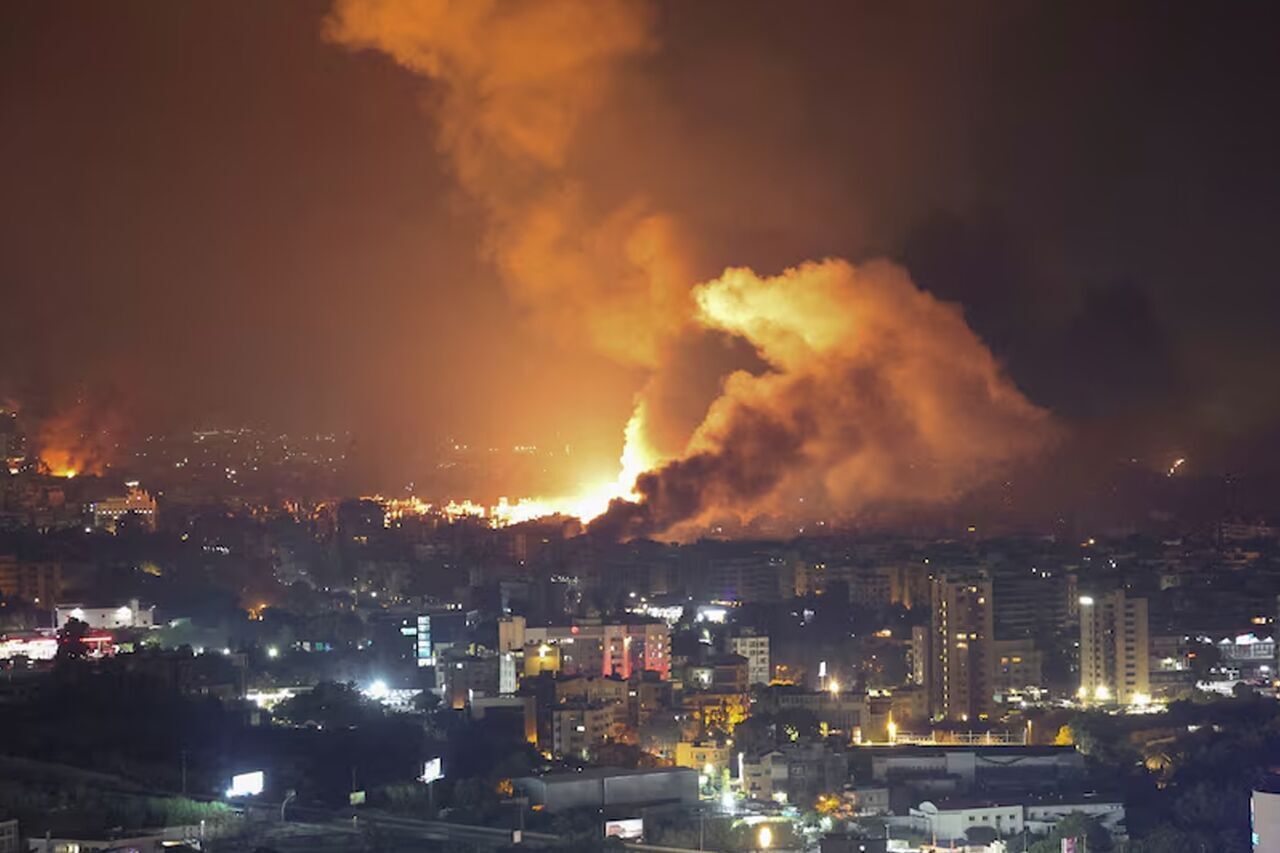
x,y
247,784
431,771
630,829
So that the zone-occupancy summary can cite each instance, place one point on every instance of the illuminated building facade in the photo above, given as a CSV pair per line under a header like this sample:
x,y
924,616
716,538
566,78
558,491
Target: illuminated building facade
x,y
619,650
108,512
1115,649
960,671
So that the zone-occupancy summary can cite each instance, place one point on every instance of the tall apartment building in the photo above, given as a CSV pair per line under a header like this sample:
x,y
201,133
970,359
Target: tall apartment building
x,y
755,648
39,583
1115,649
960,666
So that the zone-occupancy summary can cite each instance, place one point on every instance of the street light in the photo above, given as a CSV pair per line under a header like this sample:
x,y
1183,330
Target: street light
x,y
290,796
764,838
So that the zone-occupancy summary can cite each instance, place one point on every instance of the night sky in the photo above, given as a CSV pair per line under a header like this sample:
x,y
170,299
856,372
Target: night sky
x,y
214,214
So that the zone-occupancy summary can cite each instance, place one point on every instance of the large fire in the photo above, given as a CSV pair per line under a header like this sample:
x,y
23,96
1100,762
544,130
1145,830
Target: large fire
x,y
587,504
865,391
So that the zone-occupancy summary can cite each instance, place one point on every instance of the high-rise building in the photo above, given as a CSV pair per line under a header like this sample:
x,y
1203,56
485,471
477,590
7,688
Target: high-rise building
x,y
39,583
1115,649
755,648
960,671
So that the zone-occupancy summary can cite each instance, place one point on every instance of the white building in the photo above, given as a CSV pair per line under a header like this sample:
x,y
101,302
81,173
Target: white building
x,y
131,615
138,503
755,648
1264,819
947,821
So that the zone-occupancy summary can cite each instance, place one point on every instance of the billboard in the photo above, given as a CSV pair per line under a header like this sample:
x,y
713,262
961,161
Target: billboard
x,y
431,771
630,829
247,784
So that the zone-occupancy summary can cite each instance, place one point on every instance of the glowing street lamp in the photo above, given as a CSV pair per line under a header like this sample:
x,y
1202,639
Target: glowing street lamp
x,y
764,838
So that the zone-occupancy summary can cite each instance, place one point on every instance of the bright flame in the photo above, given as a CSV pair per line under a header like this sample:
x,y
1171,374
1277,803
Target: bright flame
x,y
637,457
59,462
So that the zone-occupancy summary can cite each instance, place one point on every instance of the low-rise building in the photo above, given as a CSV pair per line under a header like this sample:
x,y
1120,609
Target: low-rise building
x,y
795,773
950,820
129,615
707,757
610,786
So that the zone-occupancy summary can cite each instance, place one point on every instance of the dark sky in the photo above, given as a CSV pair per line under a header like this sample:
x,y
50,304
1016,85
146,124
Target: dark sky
x,y
221,217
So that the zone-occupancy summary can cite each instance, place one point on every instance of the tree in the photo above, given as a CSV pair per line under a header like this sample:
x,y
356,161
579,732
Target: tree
x,y
1076,825
981,835
329,704
71,644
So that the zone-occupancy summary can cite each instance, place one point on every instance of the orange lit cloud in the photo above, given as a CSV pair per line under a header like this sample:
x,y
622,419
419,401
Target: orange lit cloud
x,y
876,394
866,390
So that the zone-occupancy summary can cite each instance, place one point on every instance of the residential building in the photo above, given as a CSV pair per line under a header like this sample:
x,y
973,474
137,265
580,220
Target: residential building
x,y
616,649
710,758
961,654
137,503
1017,665
577,728
37,582
130,615
755,648
1114,649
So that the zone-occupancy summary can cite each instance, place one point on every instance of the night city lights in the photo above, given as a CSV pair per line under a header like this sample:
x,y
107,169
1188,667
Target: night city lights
x,y
674,425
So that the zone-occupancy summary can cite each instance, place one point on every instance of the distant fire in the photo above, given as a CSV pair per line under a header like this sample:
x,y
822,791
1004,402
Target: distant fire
x,y
591,502
75,440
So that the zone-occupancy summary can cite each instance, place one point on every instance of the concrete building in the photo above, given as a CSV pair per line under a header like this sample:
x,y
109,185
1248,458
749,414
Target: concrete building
x,y
1264,818
464,677
755,648
795,773
137,503
949,820
578,728
38,583
609,786
1016,769
1017,665
617,649
701,755
130,615
960,647
1114,649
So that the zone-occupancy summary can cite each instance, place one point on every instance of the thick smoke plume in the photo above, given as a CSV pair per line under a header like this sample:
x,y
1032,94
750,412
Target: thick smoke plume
x,y
866,391
876,394
516,81
79,438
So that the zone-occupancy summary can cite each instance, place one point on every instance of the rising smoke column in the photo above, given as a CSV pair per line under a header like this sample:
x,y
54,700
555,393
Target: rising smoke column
x,y
867,391
876,394
77,438
515,83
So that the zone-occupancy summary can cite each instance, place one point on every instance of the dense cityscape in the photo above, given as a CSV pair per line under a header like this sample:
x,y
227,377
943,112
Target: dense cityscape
x,y
639,425
194,659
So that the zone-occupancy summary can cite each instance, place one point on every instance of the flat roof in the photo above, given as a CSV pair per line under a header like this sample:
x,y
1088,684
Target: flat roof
x,y
565,776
